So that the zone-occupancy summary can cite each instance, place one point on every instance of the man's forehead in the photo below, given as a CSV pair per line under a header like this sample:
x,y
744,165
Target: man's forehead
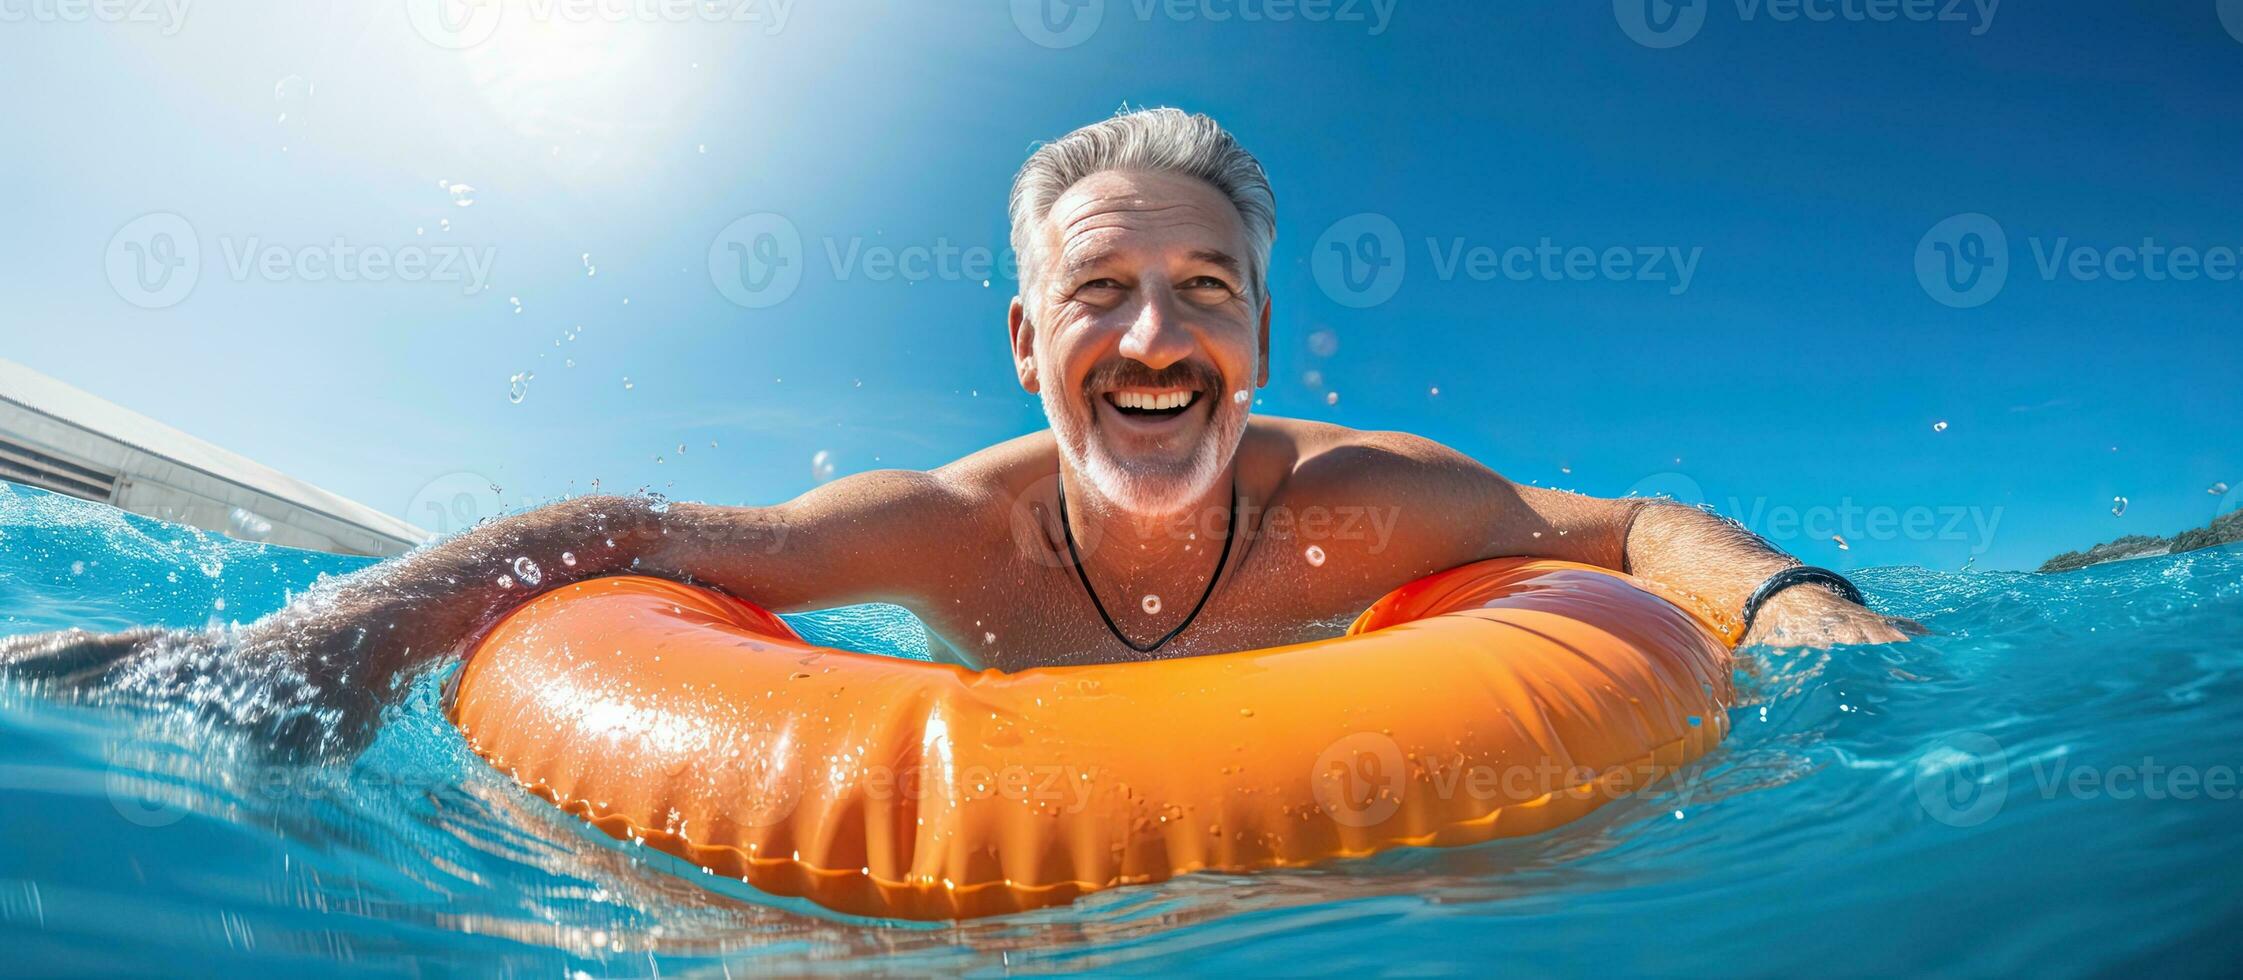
x,y
1115,210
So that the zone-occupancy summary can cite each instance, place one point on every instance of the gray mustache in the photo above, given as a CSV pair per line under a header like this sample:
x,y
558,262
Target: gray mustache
x,y
1182,374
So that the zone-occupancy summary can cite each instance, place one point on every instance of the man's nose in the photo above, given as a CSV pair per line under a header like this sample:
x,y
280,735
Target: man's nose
x,y
1159,335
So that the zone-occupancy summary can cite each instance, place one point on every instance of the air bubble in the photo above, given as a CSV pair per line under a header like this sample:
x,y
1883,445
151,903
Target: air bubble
x,y
821,465
528,570
1315,555
519,386
1939,426
1152,605
2118,506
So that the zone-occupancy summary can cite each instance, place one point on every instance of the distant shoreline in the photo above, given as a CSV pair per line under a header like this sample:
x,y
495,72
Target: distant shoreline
x,y
2224,529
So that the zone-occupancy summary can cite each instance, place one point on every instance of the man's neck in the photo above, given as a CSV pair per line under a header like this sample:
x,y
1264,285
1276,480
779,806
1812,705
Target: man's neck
x,y
1126,546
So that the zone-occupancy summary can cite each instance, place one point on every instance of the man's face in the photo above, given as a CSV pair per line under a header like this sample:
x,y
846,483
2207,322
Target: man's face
x,y
1145,340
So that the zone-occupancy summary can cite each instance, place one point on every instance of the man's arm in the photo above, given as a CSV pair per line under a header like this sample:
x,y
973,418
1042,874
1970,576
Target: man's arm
x,y
1721,562
342,646
1679,547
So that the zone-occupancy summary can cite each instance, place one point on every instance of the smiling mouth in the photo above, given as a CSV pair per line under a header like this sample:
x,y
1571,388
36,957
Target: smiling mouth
x,y
1153,405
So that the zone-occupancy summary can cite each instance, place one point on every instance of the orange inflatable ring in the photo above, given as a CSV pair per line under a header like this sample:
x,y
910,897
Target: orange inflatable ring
x,y
1495,700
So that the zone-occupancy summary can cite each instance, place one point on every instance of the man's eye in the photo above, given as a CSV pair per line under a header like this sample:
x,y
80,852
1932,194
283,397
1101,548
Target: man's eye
x,y
1206,282
1102,283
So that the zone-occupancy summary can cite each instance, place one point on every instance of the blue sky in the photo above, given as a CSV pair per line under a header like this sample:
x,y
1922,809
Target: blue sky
x,y
1798,165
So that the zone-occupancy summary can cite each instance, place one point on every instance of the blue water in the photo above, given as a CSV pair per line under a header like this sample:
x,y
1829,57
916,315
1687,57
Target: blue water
x,y
1919,807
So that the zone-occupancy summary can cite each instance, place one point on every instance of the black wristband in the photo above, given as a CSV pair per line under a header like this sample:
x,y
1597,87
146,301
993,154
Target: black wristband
x,y
1798,575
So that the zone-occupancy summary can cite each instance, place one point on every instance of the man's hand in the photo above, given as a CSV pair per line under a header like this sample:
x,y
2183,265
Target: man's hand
x,y
289,686
1812,617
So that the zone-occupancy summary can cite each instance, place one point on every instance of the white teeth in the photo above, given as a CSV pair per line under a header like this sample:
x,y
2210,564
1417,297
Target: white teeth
x,y
1140,401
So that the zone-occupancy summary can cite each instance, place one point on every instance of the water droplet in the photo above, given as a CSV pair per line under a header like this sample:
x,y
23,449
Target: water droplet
x,y
569,362
517,301
988,638
681,449
1324,343
506,581
821,465
77,568
1152,605
1315,555
1840,541
701,147
518,386
1331,398
2216,489
443,224
1313,379
528,570
568,558
463,195
1939,426
1433,392
627,385
1567,470
2118,506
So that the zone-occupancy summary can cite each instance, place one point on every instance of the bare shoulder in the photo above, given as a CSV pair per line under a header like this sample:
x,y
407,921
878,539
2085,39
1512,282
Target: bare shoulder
x,y
1325,460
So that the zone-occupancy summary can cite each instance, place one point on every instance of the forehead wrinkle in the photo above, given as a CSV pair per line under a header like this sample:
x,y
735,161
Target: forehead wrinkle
x,y
1083,236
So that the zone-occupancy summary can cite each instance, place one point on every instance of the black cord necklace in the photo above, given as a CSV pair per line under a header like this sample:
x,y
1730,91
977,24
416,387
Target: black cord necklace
x,y
1068,532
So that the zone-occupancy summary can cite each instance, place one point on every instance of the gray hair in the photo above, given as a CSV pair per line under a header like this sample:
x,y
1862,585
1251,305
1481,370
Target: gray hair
x,y
1159,141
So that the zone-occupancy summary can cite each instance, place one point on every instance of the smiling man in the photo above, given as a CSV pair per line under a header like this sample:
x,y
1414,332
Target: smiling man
x,y
1156,518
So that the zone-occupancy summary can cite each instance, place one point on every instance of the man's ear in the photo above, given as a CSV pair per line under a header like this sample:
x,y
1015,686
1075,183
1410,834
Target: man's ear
x,y
1263,380
1023,346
